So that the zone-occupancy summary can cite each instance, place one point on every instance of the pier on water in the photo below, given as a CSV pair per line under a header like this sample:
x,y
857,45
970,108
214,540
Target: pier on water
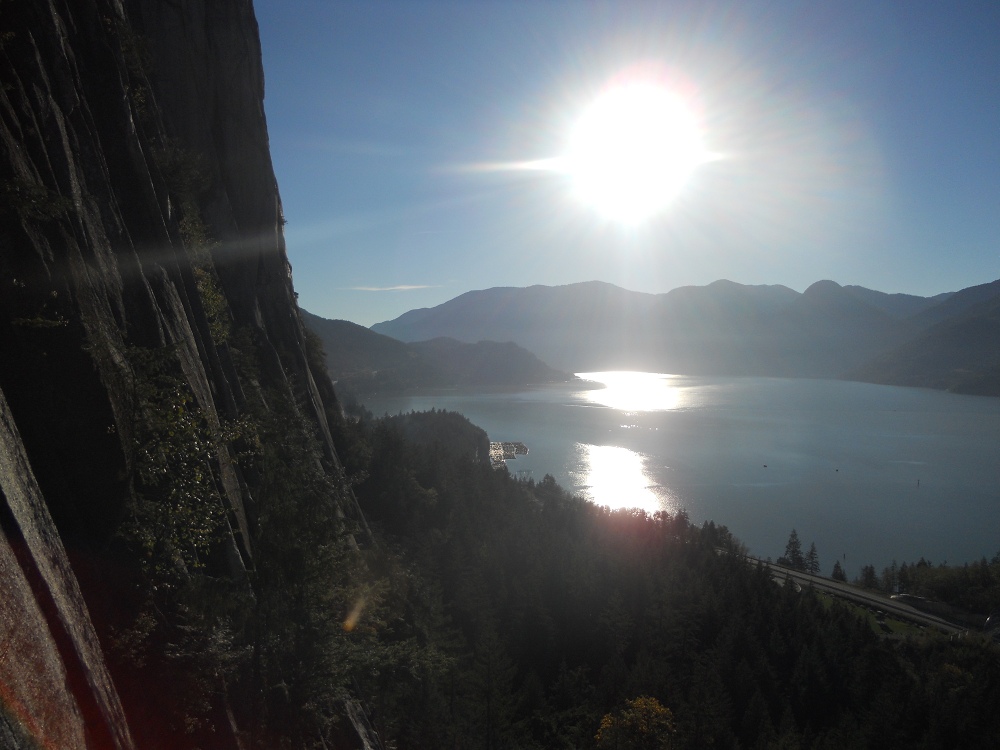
x,y
505,451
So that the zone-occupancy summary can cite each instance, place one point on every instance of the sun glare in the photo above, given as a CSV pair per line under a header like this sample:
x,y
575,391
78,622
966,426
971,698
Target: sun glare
x,y
617,478
634,391
632,150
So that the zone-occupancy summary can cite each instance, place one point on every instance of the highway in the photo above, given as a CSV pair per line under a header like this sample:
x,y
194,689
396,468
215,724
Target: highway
x,y
891,607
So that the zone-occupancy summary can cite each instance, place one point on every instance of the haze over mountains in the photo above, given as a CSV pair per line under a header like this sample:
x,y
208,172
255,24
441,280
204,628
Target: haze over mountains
x,y
949,341
362,361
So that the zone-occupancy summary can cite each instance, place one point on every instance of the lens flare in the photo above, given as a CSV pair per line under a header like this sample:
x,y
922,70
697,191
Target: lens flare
x,y
351,621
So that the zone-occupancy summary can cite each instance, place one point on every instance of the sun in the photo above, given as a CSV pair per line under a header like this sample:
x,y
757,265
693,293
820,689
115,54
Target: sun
x,y
632,150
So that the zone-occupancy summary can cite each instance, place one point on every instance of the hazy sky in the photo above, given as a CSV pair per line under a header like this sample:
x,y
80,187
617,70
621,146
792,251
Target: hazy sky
x,y
855,141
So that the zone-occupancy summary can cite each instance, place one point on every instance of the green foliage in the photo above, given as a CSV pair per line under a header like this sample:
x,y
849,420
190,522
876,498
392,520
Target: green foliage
x,y
184,627
642,724
838,573
177,513
214,301
448,432
183,171
491,687
329,616
974,587
185,176
307,577
868,578
964,594
793,557
563,611
315,353
812,560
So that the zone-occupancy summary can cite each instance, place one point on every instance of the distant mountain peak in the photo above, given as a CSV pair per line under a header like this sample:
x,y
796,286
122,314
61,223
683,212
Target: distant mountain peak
x,y
824,287
724,284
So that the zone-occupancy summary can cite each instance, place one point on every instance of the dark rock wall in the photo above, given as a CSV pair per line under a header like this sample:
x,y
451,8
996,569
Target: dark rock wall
x,y
97,100
54,685
205,62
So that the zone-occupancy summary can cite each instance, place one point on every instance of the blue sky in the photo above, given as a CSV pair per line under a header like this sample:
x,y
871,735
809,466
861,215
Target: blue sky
x,y
857,141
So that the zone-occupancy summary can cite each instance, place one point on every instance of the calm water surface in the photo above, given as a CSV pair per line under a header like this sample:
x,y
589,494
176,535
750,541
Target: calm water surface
x,y
869,473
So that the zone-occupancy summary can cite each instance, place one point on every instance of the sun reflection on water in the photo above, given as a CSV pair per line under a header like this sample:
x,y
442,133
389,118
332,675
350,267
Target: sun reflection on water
x,y
616,477
634,391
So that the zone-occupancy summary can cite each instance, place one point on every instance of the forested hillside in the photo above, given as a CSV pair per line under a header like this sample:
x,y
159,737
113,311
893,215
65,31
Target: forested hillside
x,y
960,353
364,362
538,616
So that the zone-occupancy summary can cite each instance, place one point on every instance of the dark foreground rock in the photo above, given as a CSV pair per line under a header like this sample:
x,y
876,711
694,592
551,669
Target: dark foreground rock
x,y
140,223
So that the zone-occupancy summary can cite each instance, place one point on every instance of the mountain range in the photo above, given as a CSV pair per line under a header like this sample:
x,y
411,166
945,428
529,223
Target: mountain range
x,y
949,341
362,361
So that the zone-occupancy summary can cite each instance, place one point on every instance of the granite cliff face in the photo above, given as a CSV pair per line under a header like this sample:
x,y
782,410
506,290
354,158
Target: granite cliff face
x,y
139,222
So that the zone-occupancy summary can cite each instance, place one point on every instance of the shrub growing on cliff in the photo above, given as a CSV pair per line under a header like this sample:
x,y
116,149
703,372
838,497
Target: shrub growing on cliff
x,y
177,513
176,516
182,632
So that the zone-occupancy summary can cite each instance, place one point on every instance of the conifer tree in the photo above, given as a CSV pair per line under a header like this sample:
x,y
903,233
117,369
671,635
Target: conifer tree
x,y
838,573
793,557
868,578
812,560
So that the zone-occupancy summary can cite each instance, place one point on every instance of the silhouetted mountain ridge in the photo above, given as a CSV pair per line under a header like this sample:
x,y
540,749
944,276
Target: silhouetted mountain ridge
x,y
960,353
362,361
958,303
897,305
726,328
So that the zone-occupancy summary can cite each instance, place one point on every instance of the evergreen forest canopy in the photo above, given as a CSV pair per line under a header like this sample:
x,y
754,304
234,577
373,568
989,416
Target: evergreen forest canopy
x,y
552,618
